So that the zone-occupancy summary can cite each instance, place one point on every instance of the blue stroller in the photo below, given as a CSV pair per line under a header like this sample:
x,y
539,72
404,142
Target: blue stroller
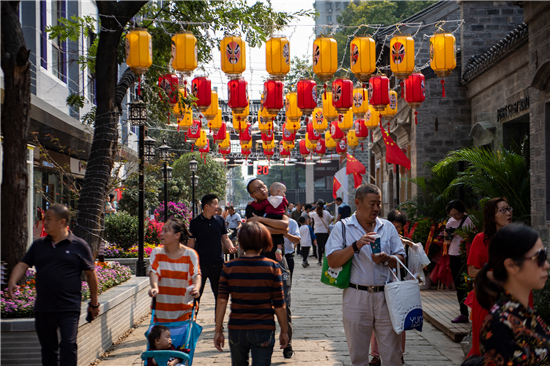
x,y
184,337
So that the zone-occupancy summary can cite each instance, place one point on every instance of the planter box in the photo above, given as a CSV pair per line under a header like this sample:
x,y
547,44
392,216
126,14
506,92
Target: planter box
x,y
130,262
120,308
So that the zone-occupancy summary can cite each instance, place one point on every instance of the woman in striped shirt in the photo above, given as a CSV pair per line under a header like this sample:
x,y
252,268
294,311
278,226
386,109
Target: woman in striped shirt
x,y
256,289
174,274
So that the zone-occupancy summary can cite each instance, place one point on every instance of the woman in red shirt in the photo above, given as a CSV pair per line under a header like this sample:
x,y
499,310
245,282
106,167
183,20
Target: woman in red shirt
x,y
496,214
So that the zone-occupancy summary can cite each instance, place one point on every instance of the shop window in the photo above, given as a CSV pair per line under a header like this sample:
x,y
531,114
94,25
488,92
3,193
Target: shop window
x,y
320,184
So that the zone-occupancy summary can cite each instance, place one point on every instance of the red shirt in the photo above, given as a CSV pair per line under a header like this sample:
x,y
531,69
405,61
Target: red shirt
x,y
479,252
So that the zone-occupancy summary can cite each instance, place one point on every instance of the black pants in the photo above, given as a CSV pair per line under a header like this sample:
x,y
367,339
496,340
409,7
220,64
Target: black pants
x,y
457,268
211,271
321,242
305,254
47,324
290,262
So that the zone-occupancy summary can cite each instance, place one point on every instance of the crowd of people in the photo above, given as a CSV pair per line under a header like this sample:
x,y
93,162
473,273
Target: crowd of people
x,y
508,262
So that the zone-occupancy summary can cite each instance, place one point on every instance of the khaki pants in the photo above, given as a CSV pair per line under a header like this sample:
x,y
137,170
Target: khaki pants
x,y
365,312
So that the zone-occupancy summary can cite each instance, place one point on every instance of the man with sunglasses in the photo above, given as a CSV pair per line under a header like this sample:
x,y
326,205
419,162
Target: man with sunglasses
x,y
258,191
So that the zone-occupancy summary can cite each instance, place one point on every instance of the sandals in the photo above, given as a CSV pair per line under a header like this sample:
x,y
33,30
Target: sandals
x,y
375,361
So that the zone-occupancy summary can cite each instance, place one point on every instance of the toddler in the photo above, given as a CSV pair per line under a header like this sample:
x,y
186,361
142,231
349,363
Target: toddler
x,y
159,339
275,205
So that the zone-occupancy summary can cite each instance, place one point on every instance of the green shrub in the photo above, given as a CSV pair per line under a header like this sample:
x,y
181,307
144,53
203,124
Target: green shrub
x,y
121,229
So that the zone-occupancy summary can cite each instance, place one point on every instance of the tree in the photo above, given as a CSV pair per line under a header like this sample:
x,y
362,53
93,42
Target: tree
x,y
211,175
15,127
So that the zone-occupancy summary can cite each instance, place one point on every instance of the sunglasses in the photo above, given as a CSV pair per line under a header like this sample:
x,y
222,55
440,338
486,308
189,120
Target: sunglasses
x,y
540,257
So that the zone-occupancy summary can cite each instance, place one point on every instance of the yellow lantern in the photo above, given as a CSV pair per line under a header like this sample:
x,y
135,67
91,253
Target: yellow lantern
x,y
265,120
202,140
325,57
184,52
268,145
216,123
319,121
310,145
329,111
233,53
179,108
372,118
352,139
212,110
277,57
402,56
443,54
363,57
346,122
239,124
391,108
186,119
288,145
139,51
330,144
360,101
243,115
226,142
293,127
293,113
246,145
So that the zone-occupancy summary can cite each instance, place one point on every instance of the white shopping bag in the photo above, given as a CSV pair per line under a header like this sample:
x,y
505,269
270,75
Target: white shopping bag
x,y
417,260
404,303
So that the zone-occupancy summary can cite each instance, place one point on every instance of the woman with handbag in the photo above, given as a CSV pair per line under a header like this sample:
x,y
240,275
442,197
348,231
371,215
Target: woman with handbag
x,y
322,219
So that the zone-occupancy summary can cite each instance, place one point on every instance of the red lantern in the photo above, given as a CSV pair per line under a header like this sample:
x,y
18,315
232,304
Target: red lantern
x,y
312,134
415,92
202,90
169,83
225,152
361,130
206,148
307,96
321,148
237,95
303,149
287,135
379,92
246,134
267,136
336,132
283,152
273,96
245,153
342,95
269,154
194,131
220,135
342,147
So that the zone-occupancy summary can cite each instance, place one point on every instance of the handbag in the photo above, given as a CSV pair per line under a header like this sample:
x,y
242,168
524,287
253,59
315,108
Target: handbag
x,y
337,277
404,302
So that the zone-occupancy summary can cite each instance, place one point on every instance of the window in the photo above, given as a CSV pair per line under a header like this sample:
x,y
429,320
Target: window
x,y
329,6
59,49
43,36
329,18
337,6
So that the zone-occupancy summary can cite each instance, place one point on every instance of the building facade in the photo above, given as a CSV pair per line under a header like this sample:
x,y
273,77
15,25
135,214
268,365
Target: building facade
x,y
328,13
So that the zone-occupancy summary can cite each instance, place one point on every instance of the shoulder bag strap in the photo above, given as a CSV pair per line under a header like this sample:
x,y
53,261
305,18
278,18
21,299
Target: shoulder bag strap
x,y
462,222
323,221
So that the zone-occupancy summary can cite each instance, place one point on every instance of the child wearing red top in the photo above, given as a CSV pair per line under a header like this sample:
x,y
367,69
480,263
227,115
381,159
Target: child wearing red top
x,y
275,205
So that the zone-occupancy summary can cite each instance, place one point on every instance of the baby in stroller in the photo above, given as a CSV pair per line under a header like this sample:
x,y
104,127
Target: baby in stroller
x,y
159,339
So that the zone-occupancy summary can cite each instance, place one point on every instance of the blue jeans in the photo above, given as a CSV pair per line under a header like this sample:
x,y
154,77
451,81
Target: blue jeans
x,y
260,341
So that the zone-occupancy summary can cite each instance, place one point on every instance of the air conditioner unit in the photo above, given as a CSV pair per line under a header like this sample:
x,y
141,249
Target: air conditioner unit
x,y
329,10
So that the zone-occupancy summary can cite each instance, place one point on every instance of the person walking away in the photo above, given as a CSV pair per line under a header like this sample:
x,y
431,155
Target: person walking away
x,y
207,232
513,333
292,238
496,215
344,211
174,274
321,219
458,220
255,285
297,212
307,237
59,259
364,306
233,222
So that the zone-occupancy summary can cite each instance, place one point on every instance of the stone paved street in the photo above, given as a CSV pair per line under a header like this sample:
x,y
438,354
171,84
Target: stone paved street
x,y
319,334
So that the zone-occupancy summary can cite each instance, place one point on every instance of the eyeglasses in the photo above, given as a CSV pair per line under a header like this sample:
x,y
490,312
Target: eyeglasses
x,y
259,189
503,210
540,257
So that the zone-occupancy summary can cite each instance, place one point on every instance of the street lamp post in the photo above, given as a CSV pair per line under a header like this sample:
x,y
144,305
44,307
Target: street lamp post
x,y
193,165
164,155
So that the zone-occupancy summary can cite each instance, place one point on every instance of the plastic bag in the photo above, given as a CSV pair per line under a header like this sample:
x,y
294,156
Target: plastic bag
x,y
417,260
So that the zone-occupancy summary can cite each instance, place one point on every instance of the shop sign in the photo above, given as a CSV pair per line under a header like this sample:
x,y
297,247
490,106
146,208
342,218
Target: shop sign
x,y
513,108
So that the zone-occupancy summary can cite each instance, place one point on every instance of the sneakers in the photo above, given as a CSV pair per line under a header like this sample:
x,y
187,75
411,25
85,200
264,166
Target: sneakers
x,y
375,361
319,263
304,264
288,352
460,319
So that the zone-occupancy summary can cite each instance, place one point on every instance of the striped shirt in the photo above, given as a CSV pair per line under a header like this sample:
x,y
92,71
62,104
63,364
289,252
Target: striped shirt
x,y
256,287
175,275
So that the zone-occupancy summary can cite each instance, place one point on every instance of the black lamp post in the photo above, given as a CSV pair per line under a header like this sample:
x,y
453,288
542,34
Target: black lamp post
x,y
193,165
195,184
164,154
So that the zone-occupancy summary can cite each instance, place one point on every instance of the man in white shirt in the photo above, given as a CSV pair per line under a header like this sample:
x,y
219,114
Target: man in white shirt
x,y
292,238
233,222
364,306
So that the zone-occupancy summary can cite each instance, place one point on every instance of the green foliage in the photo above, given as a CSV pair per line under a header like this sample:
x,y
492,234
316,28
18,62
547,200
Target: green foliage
x,y
211,176
75,101
130,195
422,231
300,67
492,174
238,196
122,229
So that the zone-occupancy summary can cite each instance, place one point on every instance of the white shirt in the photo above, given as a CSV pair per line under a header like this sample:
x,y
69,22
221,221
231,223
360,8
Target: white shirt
x,y
454,248
363,270
292,230
233,220
305,236
320,227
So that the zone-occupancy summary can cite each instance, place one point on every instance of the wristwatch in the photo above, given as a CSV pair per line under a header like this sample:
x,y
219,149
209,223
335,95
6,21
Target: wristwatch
x,y
93,306
386,263
355,248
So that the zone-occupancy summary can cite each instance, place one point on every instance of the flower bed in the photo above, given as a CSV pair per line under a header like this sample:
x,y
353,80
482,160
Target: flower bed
x,y
108,275
115,251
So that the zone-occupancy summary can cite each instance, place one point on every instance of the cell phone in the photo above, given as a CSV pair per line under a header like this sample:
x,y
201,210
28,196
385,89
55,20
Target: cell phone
x,y
89,317
375,247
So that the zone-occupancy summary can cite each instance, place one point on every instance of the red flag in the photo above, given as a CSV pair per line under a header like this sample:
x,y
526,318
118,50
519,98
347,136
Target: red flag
x,y
354,166
336,185
394,155
357,180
